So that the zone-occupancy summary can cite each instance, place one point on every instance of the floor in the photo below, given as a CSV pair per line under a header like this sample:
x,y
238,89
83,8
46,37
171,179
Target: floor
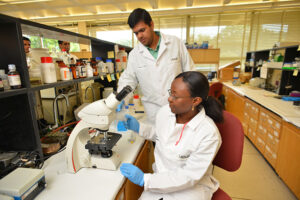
x,y
255,180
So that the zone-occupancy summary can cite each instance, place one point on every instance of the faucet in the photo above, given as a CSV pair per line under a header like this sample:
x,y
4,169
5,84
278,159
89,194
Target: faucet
x,y
93,92
55,108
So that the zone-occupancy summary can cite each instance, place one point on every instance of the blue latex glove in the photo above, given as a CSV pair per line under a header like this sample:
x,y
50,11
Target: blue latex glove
x,y
132,124
133,173
119,108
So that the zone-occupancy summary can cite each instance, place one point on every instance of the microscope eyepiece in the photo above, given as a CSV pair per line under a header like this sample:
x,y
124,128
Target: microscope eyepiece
x,y
123,93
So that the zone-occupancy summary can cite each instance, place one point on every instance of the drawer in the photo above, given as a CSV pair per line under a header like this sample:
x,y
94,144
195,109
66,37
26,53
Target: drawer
x,y
274,124
270,155
262,132
245,128
263,117
273,142
247,108
253,123
260,144
246,117
254,110
251,134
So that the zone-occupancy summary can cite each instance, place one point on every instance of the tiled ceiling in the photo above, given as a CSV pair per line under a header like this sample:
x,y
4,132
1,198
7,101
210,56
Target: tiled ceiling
x,y
55,11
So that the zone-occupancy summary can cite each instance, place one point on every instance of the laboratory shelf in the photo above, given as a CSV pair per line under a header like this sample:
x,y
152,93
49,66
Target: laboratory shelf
x,y
61,83
13,92
19,129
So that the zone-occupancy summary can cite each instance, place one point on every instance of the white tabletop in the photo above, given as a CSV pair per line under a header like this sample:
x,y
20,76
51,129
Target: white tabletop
x,y
87,183
285,109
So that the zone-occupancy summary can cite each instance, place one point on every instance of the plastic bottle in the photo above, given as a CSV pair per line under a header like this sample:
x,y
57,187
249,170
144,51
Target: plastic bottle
x,y
136,101
118,65
110,66
13,77
48,70
89,70
122,55
4,79
64,73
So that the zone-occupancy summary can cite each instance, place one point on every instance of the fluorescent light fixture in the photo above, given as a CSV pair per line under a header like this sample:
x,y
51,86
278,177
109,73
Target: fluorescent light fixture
x,y
5,2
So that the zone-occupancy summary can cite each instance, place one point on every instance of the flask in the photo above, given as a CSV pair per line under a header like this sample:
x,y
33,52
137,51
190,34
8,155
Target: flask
x,y
132,134
13,77
4,79
48,70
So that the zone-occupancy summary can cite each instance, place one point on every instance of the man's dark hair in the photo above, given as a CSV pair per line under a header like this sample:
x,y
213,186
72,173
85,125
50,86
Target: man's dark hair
x,y
60,42
137,16
26,38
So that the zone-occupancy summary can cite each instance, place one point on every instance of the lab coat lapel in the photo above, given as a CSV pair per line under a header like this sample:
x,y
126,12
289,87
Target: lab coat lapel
x,y
163,46
145,52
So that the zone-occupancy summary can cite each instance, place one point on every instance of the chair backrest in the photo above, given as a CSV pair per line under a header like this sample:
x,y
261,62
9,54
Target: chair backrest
x,y
229,156
215,90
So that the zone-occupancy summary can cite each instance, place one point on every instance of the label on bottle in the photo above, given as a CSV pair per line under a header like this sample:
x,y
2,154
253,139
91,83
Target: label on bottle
x,y
14,80
1,84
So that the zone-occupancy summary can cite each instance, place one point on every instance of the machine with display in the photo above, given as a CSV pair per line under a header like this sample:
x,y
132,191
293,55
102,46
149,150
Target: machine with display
x,y
90,144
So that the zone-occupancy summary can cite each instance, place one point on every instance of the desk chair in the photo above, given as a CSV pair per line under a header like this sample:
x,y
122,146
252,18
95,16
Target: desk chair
x,y
229,156
215,90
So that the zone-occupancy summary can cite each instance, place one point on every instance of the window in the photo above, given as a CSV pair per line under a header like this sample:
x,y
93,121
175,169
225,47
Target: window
x,y
120,34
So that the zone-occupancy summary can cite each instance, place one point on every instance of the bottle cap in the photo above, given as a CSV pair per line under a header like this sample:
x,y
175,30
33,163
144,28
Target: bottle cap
x,y
118,60
126,107
108,60
136,96
12,67
46,59
98,58
63,50
122,48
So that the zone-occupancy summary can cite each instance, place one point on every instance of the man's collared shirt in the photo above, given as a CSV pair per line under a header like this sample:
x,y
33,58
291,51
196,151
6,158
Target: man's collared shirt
x,y
154,53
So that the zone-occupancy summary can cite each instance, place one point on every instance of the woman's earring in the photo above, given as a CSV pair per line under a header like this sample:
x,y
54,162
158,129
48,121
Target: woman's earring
x,y
193,108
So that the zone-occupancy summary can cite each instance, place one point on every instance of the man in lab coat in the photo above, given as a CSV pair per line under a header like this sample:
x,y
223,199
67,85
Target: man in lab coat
x,y
153,63
66,45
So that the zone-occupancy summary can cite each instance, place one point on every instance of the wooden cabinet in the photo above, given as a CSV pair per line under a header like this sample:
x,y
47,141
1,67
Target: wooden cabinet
x,y
205,56
277,140
234,103
288,164
129,190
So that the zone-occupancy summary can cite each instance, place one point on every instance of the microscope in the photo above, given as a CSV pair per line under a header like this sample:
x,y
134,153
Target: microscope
x,y
90,144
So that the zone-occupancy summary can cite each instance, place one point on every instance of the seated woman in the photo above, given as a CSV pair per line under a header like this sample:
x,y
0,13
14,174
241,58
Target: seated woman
x,y
187,141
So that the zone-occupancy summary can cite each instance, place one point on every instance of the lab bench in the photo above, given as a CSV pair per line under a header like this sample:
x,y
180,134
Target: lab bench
x,y
90,183
272,125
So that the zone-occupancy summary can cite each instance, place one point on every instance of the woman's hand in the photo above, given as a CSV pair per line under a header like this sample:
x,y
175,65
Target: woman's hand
x,y
133,173
131,123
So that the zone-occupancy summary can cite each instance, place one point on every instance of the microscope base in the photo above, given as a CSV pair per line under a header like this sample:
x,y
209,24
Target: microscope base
x,y
111,163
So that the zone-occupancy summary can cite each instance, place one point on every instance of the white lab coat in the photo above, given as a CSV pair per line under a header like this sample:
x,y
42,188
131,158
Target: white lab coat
x,y
183,171
156,75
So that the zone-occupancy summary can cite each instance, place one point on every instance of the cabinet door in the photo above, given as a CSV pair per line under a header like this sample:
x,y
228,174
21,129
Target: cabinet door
x,y
288,163
133,191
235,104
